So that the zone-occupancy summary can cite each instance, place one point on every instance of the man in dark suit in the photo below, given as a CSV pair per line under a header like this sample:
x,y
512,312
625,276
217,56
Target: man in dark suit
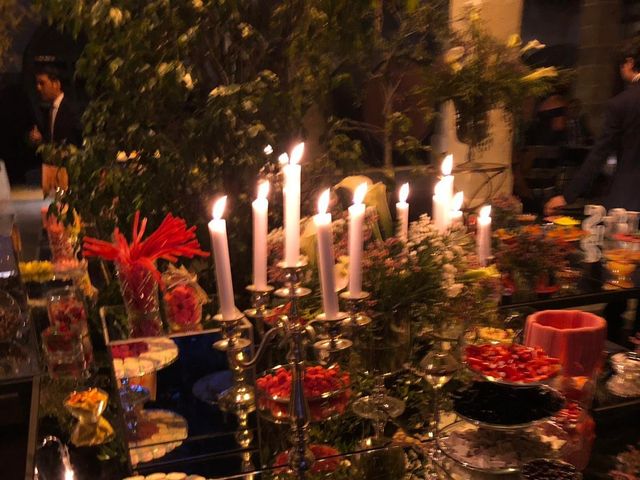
x,y
621,135
62,125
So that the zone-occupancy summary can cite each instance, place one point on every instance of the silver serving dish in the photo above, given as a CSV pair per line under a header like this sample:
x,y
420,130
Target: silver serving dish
x,y
503,428
450,453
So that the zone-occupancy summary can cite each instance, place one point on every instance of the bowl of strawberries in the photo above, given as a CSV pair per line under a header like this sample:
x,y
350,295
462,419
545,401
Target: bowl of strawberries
x,y
326,389
511,364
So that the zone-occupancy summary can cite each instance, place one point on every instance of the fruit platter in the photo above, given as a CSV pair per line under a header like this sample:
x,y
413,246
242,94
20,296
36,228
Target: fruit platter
x,y
327,390
562,220
159,432
494,335
512,364
627,237
135,359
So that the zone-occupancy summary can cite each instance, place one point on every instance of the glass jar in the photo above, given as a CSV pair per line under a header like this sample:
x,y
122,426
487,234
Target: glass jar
x,y
63,350
139,291
66,309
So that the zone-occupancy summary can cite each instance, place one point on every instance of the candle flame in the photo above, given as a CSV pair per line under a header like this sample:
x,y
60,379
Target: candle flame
x,y
268,150
283,159
68,474
296,154
447,165
404,193
438,190
485,212
456,202
218,208
323,201
263,189
360,193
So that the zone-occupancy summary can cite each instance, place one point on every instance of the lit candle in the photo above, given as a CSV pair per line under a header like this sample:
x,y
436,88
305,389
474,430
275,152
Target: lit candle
x,y
402,212
447,179
455,215
326,261
440,208
484,235
292,206
220,246
260,230
356,219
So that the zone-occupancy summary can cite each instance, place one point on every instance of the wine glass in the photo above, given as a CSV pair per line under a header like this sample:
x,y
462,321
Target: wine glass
x,y
383,347
437,368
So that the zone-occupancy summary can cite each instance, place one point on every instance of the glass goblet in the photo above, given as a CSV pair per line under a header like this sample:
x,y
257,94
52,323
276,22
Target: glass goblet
x,y
383,347
437,368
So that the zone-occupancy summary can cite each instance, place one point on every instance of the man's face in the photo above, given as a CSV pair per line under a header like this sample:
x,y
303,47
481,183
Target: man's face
x,y
627,70
47,88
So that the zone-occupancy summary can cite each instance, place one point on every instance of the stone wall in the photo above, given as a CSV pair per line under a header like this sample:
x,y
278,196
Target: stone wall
x,y
601,34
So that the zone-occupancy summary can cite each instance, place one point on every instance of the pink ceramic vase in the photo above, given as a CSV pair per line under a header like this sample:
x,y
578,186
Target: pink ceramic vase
x,y
576,338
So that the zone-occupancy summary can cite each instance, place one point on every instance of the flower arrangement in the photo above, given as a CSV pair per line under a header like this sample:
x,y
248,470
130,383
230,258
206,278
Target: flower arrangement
x,y
422,273
530,259
136,265
504,209
480,74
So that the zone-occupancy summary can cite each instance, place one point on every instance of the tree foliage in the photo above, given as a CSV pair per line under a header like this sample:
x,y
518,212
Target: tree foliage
x,y
12,14
186,94
192,92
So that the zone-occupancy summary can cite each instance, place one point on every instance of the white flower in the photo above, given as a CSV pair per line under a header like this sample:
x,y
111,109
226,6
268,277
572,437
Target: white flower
x,y
540,73
449,269
116,16
453,55
532,45
514,40
454,290
249,106
188,81
163,68
121,156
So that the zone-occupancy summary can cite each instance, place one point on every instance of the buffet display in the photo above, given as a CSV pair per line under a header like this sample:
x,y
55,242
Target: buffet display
x,y
359,342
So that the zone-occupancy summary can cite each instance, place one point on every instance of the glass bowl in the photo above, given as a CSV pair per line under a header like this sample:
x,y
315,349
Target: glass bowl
x,y
327,391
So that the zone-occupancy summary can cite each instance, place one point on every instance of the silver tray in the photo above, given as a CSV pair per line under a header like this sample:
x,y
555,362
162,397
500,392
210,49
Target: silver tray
x,y
463,426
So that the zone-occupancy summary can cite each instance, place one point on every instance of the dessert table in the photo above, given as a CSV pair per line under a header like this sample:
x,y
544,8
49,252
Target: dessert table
x,y
191,433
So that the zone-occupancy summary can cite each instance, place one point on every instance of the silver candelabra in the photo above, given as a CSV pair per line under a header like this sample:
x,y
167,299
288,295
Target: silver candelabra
x,y
241,396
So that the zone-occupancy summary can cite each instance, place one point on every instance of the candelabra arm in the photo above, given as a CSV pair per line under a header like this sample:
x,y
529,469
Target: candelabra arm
x,y
271,334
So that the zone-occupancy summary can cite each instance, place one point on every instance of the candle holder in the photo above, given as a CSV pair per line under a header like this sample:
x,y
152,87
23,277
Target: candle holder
x,y
330,350
260,300
244,437
292,288
240,395
300,457
355,309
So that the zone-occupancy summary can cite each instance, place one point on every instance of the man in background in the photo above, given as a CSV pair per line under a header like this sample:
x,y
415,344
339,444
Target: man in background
x,y
62,125
620,135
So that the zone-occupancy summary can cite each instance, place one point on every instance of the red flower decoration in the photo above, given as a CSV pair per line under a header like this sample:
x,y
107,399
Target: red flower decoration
x,y
171,240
